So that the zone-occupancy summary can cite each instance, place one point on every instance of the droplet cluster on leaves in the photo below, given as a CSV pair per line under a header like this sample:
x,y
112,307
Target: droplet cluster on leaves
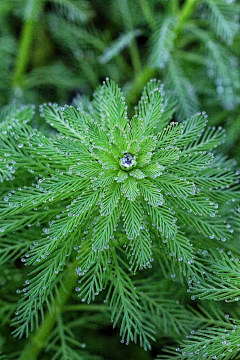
x,y
105,185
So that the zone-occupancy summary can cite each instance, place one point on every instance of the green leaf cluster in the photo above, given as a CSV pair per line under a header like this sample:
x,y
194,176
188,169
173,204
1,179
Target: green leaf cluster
x,y
120,195
117,220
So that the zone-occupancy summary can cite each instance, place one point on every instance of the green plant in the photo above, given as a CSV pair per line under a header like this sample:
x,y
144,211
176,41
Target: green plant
x,y
69,46
181,44
177,280
113,197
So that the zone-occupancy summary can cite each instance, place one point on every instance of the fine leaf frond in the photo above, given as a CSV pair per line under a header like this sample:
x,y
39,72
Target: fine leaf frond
x,y
214,179
150,193
175,186
181,253
168,109
210,139
30,219
125,308
132,217
212,342
74,10
139,251
201,207
30,198
146,151
196,161
164,220
226,78
170,134
118,45
167,315
19,112
226,285
56,117
72,218
222,19
23,152
110,199
93,280
192,129
40,288
153,171
162,42
214,228
103,230
181,88
12,247
167,156
130,189
68,222
110,104
64,344
150,106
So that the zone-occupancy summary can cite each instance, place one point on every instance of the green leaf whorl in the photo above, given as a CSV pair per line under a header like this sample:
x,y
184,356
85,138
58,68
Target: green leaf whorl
x,y
105,184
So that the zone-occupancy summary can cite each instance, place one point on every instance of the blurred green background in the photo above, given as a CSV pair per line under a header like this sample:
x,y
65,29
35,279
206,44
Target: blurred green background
x,y
54,50
61,50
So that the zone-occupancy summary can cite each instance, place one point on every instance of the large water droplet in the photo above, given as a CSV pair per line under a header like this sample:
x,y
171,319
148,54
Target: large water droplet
x,y
127,161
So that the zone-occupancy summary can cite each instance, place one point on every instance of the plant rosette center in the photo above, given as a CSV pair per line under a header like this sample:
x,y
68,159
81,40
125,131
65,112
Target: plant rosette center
x,y
128,161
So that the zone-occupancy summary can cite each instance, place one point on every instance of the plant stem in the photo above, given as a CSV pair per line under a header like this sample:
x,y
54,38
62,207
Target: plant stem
x,y
135,57
139,82
185,14
26,41
86,307
38,341
148,13
174,7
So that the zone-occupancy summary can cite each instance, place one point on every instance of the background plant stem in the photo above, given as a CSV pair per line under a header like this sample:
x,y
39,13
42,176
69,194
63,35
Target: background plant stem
x,y
148,14
26,41
174,7
140,81
186,12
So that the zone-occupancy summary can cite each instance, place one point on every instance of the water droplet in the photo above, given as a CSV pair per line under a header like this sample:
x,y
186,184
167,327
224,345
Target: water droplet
x,y
127,161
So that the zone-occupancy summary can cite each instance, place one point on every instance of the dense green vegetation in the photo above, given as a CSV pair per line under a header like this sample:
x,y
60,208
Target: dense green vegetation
x,y
119,208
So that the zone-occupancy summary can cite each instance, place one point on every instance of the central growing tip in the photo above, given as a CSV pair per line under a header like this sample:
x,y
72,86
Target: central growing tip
x,y
128,161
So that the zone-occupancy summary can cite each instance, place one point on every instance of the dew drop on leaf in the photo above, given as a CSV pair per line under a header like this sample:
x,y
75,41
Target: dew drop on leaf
x,y
127,161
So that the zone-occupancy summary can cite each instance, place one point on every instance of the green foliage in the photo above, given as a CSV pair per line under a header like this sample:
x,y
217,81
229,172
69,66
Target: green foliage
x,y
184,43
211,343
123,193
222,19
116,220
